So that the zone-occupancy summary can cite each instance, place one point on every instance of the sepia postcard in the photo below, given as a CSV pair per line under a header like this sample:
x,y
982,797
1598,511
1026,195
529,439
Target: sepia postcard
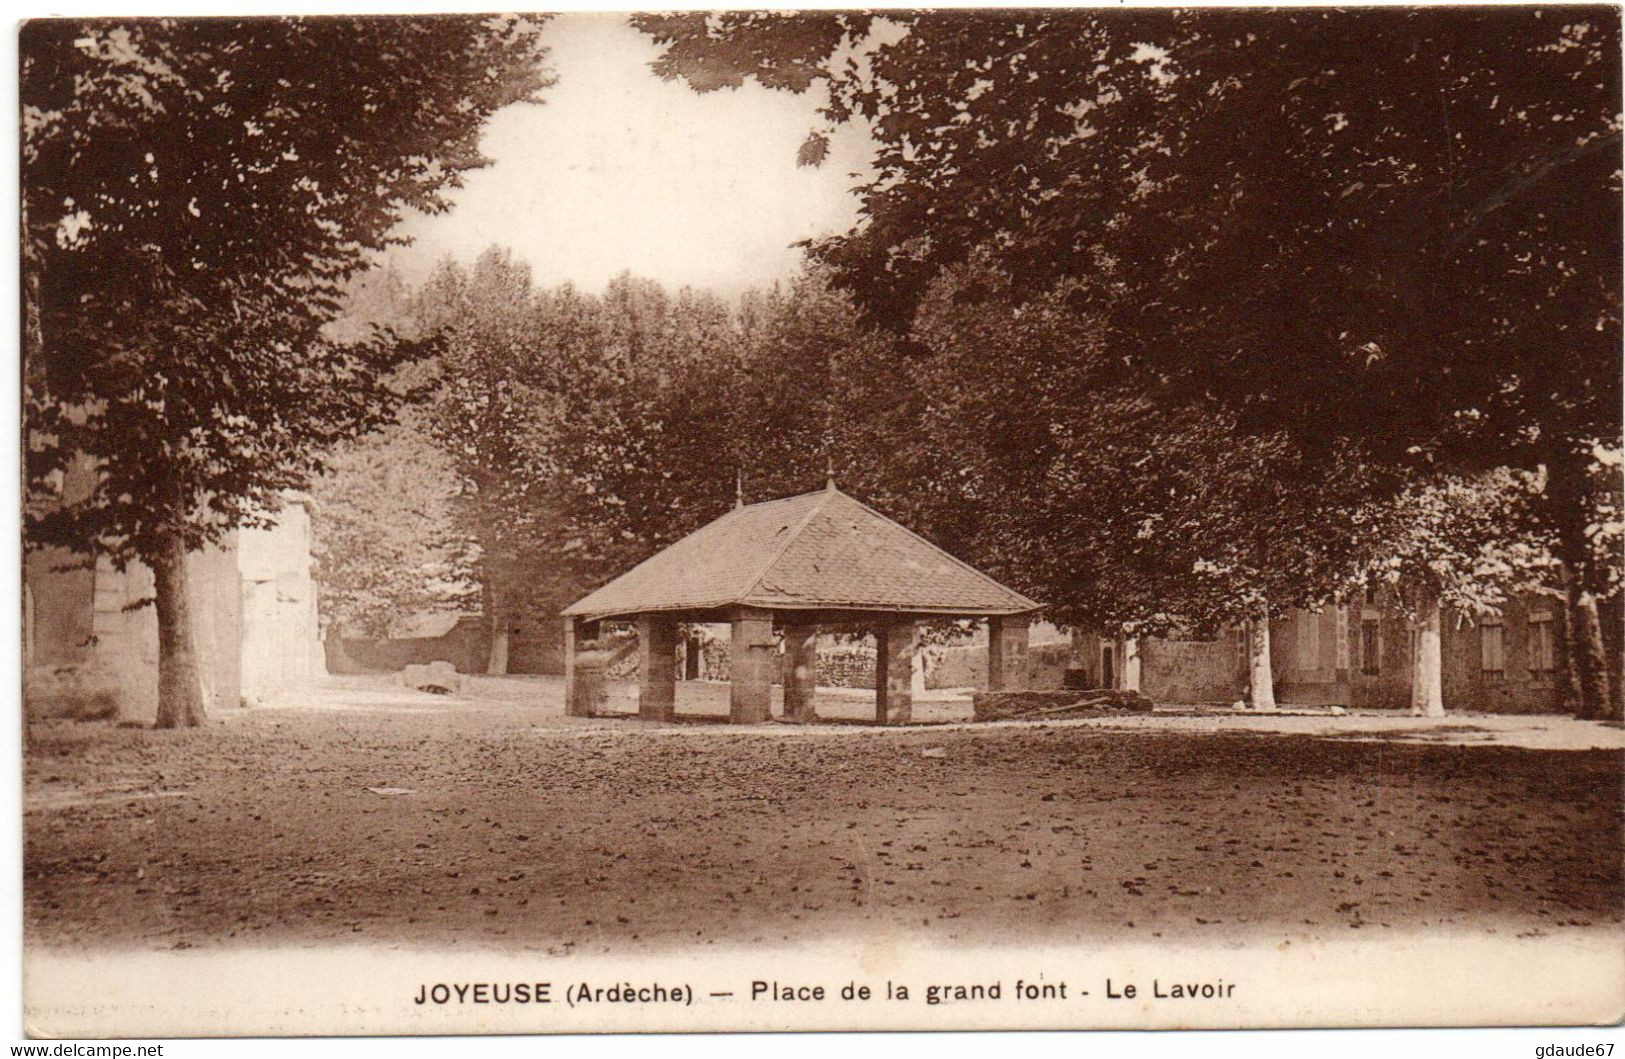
x,y
896,519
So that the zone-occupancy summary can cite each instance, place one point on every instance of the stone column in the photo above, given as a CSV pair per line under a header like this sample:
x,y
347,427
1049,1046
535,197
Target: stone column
x,y
800,672
584,692
657,668
751,664
572,627
1131,664
894,672
1007,653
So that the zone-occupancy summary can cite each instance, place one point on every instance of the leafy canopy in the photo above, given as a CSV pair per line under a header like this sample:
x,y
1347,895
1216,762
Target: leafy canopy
x,y
1399,227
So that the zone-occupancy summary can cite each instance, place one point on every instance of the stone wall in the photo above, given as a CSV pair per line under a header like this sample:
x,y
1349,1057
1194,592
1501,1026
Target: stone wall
x,y
847,665
956,666
90,632
1047,664
1319,658
281,635
1192,671
90,635
536,653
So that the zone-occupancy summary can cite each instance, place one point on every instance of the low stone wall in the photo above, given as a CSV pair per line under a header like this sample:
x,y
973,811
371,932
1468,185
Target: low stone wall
x,y
1192,671
536,654
467,646
851,664
956,666
847,665
965,665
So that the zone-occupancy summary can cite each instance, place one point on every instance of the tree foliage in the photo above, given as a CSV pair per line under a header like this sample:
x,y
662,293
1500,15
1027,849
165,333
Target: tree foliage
x,y
388,546
646,384
1119,505
1394,226
492,415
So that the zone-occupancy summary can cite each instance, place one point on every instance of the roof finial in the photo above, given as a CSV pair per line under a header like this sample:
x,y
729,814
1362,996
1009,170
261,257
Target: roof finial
x,y
739,489
829,472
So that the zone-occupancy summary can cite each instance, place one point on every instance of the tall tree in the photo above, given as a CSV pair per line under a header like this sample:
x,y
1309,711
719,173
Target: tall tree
x,y
490,414
196,193
388,547
646,421
1128,507
1460,543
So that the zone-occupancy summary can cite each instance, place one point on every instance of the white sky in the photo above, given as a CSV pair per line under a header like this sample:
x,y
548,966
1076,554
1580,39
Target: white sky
x,y
618,170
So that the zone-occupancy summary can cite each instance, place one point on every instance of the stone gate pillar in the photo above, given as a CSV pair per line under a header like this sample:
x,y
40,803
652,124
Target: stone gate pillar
x,y
894,672
1007,653
800,672
751,664
657,668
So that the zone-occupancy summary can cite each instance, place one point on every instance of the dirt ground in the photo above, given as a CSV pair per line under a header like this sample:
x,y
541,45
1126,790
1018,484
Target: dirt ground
x,y
366,813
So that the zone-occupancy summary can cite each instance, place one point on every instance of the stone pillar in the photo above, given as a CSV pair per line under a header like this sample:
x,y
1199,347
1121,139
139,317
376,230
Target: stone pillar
x,y
585,694
894,672
751,664
572,627
1131,664
657,668
1007,653
800,672
1344,693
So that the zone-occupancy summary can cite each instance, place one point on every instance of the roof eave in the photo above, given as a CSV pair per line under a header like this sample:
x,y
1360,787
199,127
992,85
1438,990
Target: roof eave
x,y
575,610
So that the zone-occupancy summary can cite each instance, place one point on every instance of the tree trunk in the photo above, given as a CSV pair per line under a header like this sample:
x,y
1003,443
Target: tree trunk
x,y
1260,677
496,663
180,677
1584,652
1427,659
1584,656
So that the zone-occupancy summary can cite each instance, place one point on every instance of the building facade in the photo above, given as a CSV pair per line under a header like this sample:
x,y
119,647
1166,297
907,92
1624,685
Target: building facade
x,y
1359,656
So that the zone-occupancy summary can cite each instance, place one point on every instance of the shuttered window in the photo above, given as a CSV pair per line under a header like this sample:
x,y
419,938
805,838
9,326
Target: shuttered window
x,y
1542,647
1370,647
1308,640
1492,650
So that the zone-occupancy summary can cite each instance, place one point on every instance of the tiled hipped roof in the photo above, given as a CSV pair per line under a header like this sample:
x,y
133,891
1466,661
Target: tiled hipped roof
x,y
817,551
